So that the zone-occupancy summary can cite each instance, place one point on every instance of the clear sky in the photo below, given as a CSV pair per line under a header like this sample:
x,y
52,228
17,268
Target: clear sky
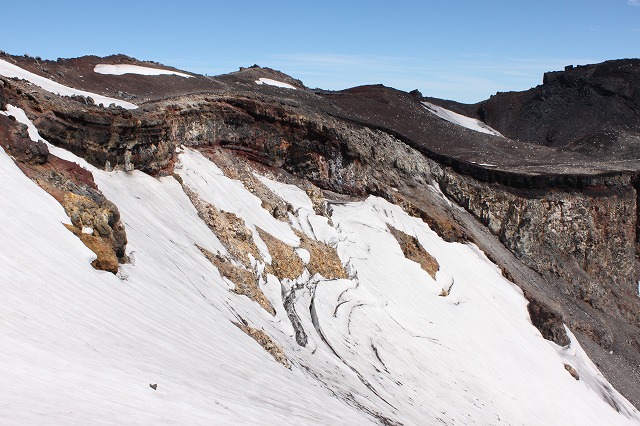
x,y
464,50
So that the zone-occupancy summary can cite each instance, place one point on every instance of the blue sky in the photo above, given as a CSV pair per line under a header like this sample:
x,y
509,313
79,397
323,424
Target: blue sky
x,y
464,50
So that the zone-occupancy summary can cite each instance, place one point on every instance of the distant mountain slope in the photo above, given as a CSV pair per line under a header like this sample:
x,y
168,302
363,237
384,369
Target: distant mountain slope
x,y
592,109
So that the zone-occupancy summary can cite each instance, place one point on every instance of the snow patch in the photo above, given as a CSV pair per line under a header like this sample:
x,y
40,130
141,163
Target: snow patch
x,y
294,195
434,186
121,69
276,83
460,120
304,255
13,71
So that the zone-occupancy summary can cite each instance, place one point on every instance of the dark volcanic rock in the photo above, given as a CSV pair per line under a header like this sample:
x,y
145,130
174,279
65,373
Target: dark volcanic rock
x,y
561,231
110,138
592,109
15,140
548,322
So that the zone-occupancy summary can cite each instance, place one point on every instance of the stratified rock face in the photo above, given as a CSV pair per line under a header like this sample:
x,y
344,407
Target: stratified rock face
x,y
109,139
298,141
592,230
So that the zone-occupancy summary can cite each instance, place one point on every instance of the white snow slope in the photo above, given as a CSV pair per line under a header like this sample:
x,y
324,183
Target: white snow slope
x,y
81,346
121,69
460,120
276,83
8,69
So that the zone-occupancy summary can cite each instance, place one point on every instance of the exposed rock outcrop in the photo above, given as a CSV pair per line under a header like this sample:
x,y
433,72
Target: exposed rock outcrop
x,y
561,231
323,259
285,263
548,322
413,250
15,140
229,228
245,279
95,220
267,343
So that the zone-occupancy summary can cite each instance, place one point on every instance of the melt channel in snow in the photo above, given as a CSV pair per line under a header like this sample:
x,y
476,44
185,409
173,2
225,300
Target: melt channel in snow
x,y
472,356
460,120
121,69
13,71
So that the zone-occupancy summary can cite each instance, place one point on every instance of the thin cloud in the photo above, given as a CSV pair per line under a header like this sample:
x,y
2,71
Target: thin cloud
x,y
634,2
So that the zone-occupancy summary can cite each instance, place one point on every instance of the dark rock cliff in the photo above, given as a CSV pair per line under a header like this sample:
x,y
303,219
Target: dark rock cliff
x,y
592,109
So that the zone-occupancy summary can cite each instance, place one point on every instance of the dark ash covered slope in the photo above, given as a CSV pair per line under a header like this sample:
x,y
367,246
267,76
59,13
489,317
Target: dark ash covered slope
x,y
591,109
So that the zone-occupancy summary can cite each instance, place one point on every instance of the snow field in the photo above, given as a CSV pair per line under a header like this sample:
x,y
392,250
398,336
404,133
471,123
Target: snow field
x,y
276,83
460,120
121,69
82,346
474,350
